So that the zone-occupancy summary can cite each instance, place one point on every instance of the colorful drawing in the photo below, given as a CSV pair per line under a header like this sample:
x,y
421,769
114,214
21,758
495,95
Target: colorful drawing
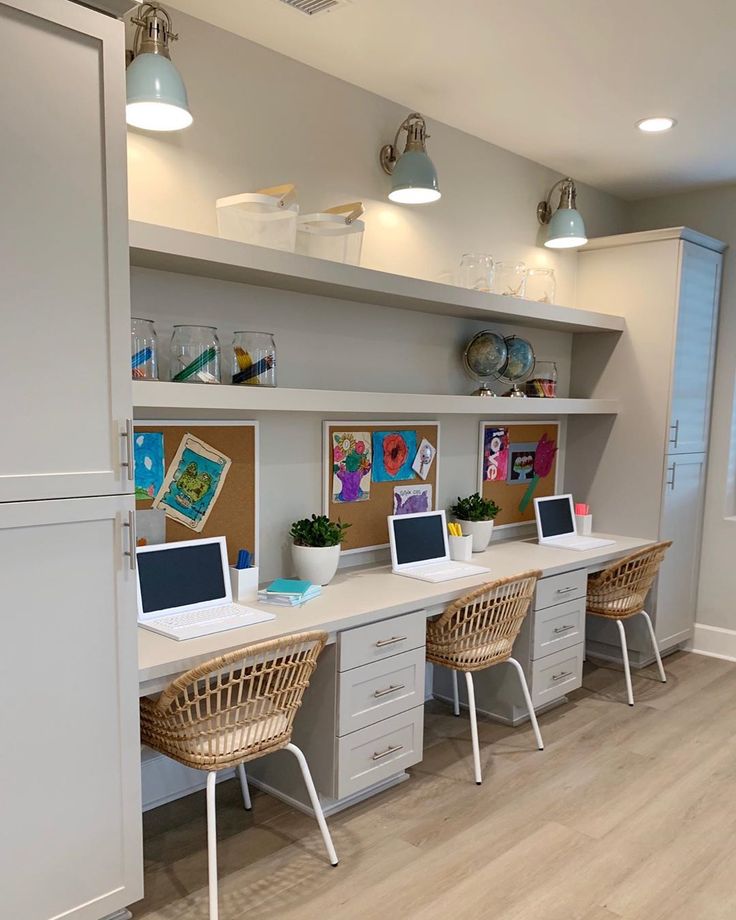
x,y
412,499
193,483
393,455
495,454
521,463
424,459
148,460
544,458
351,466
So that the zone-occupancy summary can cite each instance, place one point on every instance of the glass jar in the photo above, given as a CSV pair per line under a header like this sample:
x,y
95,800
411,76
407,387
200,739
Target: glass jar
x,y
195,355
544,381
510,279
540,285
476,271
254,359
143,349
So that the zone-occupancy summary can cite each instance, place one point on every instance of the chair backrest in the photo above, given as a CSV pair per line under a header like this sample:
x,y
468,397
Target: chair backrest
x,y
239,705
479,629
621,589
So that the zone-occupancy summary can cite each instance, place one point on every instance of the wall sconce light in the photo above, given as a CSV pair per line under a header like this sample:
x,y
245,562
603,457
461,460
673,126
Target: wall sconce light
x,y
156,95
566,228
413,176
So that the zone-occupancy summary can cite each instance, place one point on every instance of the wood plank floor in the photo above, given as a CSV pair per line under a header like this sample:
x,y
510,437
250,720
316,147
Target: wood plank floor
x,y
628,814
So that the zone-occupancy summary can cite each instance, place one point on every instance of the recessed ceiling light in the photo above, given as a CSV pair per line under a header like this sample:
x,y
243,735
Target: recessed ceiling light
x,y
656,125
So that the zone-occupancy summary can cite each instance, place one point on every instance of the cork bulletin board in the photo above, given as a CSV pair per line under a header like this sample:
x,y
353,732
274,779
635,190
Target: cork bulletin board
x,y
374,469
517,463
196,480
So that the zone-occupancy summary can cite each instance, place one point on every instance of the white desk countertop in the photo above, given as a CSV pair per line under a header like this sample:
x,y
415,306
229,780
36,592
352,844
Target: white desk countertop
x,y
363,595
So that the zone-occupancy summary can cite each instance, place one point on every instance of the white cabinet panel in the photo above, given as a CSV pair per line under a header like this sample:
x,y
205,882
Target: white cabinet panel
x,y
692,379
682,509
379,690
64,284
70,771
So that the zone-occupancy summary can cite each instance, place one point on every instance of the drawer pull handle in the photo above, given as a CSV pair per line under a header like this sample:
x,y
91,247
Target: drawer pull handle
x,y
562,629
389,750
392,641
562,675
392,689
567,590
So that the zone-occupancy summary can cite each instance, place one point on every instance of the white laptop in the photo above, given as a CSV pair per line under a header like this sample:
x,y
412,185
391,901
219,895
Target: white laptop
x,y
556,524
184,590
419,548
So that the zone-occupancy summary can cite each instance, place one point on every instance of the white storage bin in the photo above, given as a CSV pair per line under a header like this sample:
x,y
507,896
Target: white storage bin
x,y
264,218
334,234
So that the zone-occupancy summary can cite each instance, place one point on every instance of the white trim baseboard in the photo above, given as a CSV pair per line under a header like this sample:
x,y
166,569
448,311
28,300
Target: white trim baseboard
x,y
714,642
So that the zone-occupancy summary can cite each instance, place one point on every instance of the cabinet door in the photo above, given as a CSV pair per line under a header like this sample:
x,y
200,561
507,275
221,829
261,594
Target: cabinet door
x,y
64,284
682,510
692,380
70,768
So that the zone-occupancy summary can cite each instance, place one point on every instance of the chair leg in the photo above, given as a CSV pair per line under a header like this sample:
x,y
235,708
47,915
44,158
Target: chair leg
x,y
455,695
627,667
212,844
528,701
247,804
662,675
314,799
473,727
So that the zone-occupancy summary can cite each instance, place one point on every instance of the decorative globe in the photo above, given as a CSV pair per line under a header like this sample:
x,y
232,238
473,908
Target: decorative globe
x,y
485,355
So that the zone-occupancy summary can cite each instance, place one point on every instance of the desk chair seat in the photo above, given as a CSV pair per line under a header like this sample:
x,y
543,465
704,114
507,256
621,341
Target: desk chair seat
x,y
619,593
478,631
233,709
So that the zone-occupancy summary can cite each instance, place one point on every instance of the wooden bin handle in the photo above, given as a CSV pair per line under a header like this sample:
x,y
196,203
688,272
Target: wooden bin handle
x,y
285,193
352,211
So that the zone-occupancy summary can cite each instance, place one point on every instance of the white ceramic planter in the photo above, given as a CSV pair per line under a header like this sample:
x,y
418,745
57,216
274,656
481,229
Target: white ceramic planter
x,y
317,564
480,531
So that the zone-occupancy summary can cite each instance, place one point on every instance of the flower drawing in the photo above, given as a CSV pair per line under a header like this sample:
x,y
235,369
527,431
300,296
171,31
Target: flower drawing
x,y
395,453
351,466
544,460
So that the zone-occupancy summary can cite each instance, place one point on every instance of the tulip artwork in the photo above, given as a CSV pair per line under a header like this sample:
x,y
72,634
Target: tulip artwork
x,y
544,458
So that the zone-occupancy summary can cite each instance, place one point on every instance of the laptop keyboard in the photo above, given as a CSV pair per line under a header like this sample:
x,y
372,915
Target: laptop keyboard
x,y
200,617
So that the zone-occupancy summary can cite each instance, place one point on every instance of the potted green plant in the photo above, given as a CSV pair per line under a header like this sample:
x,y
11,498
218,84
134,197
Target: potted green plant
x,y
316,547
475,515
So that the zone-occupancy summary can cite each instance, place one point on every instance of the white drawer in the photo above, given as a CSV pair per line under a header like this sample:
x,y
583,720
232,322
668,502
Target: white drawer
x,y
379,690
555,675
558,627
560,588
373,754
366,644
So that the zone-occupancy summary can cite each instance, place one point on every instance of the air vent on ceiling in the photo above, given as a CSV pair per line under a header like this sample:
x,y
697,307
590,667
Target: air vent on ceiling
x,y
313,7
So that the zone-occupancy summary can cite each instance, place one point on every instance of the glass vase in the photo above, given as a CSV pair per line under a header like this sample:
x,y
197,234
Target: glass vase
x,y
143,349
254,359
476,271
540,285
195,355
510,279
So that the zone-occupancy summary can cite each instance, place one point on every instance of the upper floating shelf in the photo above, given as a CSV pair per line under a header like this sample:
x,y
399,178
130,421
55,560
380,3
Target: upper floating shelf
x,y
193,401
170,250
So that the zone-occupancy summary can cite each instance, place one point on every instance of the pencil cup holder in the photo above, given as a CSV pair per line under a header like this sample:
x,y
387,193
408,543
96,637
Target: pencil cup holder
x,y
461,548
244,583
584,523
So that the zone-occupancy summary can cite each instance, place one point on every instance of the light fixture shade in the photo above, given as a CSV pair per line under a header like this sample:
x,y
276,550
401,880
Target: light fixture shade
x,y
566,229
414,179
156,95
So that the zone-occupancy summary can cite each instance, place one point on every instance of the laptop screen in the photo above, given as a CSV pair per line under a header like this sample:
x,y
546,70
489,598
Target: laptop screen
x,y
181,575
419,539
555,517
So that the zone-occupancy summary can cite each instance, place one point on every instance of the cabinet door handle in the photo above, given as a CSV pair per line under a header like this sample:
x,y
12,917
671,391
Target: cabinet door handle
x,y
382,643
671,482
676,429
130,552
128,435
562,629
389,750
392,689
567,590
562,675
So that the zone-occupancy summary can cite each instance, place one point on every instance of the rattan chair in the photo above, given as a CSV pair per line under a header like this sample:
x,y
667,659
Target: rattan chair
x,y
478,631
620,592
233,709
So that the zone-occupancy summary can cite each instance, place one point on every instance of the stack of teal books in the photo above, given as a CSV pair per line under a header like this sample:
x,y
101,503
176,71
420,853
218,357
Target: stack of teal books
x,y
289,592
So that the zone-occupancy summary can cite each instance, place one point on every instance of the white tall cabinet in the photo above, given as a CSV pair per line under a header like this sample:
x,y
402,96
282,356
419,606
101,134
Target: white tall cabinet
x,y
644,473
71,841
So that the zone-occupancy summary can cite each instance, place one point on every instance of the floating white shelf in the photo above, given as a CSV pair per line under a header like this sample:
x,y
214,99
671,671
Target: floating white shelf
x,y
182,400
167,249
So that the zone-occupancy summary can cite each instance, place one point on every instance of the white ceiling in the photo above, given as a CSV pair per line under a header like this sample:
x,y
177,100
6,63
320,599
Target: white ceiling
x,y
559,81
